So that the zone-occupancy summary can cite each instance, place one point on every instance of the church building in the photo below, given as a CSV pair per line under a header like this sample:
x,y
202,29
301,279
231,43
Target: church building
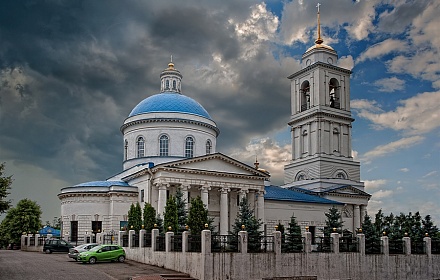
x,y
169,143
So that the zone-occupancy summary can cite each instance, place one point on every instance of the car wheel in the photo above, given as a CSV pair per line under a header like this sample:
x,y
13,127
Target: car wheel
x,y
47,251
92,260
121,259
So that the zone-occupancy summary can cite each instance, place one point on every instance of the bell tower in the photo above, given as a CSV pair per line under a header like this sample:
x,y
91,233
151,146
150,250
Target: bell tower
x,y
321,122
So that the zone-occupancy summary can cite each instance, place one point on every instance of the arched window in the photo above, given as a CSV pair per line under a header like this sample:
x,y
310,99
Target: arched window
x,y
334,93
189,147
126,150
208,147
305,96
163,146
300,176
140,147
174,85
167,84
340,174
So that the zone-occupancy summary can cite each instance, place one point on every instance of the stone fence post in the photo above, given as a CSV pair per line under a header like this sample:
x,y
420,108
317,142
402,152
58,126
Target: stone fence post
x,y
206,241
168,241
120,237
154,234
131,232
385,245
407,245
307,242
361,243
142,233
277,242
242,241
37,236
335,242
185,235
427,241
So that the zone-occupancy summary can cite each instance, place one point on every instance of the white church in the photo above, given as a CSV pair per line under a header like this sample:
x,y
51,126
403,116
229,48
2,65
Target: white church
x,y
169,142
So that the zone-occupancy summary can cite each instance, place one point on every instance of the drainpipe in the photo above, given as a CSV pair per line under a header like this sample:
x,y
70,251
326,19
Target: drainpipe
x,y
149,186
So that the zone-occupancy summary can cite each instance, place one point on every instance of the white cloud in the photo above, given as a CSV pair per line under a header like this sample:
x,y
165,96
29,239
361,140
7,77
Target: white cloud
x,y
416,115
346,62
383,48
381,194
404,169
374,184
391,147
430,174
390,84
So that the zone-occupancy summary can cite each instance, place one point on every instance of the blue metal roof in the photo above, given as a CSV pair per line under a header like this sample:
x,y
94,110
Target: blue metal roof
x,y
170,102
103,184
277,193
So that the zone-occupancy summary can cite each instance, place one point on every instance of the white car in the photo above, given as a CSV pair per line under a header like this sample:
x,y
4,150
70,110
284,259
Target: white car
x,y
73,252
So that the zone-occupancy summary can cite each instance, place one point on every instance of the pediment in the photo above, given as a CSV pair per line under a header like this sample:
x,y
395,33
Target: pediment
x,y
346,190
216,163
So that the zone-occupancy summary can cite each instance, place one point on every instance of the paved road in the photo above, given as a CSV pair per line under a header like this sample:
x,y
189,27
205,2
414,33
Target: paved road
x,y
22,265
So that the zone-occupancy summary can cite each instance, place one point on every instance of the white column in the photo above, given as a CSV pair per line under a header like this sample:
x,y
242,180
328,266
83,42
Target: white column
x,y
341,139
309,139
356,218
161,201
205,194
224,211
260,206
185,190
363,212
331,139
349,140
293,144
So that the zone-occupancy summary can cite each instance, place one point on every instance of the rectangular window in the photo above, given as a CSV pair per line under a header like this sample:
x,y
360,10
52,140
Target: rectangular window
x,y
142,195
312,230
96,226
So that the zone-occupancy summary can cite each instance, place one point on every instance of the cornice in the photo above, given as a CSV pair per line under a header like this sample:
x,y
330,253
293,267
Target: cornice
x,y
96,194
213,173
319,64
152,120
318,114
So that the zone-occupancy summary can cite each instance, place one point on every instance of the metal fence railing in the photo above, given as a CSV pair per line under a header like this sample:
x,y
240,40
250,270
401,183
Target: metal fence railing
x,y
396,247
418,247
41,240
176,243
147,240
160,243
373,246
194,243
260,244
125,240
435,246
135,240
348,244
32,241
323,244
224,243
292,244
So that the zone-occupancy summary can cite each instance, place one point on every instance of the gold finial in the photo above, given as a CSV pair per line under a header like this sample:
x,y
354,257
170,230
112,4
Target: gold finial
x,y
171,64
319,40
256,163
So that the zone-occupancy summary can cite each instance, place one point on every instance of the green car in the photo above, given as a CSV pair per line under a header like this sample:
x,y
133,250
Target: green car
x,y
105,252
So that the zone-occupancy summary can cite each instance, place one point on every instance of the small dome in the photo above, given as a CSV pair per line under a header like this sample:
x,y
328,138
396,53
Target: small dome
x,y
320,46
170,102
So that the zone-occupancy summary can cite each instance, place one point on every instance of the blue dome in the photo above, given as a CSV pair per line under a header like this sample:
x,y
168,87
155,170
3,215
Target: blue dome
x,y
171,102
103,184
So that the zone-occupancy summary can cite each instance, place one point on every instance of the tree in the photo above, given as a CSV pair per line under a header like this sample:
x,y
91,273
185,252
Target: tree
x,y
5,186
429,227
24,218
372,236
56,223
135,217
170,218
246,217
159,223
182,213
149,217
334,221
198,217
293,238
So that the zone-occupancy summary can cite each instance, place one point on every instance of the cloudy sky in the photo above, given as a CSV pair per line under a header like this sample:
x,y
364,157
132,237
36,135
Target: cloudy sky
x,y
71,72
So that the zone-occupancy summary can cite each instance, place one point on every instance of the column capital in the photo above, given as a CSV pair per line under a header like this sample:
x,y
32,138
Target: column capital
x,y
205,188
224,190
161,186
185,187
